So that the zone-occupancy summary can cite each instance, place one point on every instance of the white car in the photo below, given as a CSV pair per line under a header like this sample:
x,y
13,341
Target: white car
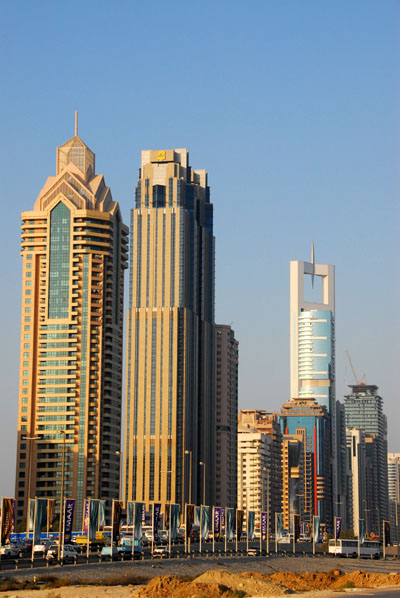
x,y
41,548
69,553
160,552
10,551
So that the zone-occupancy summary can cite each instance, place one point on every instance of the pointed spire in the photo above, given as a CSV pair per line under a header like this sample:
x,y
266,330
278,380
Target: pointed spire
x,y
76,123
313,263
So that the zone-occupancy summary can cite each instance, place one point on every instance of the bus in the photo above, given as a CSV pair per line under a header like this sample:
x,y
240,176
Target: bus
x,y
349,548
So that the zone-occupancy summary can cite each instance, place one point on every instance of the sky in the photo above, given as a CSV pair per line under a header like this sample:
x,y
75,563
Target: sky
x,y
292,108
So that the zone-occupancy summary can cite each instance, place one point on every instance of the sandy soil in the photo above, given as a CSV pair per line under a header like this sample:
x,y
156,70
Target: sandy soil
x,y
224,584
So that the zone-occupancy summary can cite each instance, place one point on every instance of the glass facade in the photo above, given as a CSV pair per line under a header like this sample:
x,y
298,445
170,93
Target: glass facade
x,y
59,274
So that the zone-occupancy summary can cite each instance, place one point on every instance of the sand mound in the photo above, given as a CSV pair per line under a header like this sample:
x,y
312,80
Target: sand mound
x,y
253,584
334,580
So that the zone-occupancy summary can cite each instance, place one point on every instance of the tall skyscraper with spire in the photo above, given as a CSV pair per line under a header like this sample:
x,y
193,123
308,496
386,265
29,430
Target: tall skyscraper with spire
x,y
170,350
74,251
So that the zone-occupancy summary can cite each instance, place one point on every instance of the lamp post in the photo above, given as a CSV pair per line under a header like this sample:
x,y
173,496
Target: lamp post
x,y
30,438
121,472
61,528
204,481
187,452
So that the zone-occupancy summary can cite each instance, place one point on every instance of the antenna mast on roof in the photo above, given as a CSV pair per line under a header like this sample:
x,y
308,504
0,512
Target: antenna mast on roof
x,y
76,123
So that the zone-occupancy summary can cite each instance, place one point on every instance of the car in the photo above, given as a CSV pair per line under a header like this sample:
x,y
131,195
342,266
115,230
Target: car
x,y
41,549
108,553
253,552
10,551
69,553
160,552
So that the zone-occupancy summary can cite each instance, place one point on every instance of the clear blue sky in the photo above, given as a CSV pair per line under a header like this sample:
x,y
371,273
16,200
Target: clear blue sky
x,y
292,107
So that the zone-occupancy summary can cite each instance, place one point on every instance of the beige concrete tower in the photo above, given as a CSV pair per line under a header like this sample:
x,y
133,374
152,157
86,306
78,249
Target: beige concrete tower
x,y
74,251
170,349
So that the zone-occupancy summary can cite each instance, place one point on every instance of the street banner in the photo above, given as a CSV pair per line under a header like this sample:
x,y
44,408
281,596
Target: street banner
x,y
156,517
40,518
143,512
386,527
217,521
175,520
138,521
250,524
102,514
93,518
129,513
239,526
205,522
68,518
50,512
279,526
338,527
361,530
222,519
197,516
31,511
230,523
116,518
167,515
264,525
7,514
189,519
296,525
85,527
315,528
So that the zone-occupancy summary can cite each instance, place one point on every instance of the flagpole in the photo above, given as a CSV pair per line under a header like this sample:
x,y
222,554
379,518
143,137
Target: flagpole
x,y
313,534
247,530
213,527
133,527
260,532
186,538
276,533
384,541
226,528
1,522
294,541
236,529
201,525
268,531
152,535
63,530
34,529
88,534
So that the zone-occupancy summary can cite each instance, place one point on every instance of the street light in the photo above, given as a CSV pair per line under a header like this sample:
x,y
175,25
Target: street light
x,y
121,472
30,438
187,452
204,481
60,528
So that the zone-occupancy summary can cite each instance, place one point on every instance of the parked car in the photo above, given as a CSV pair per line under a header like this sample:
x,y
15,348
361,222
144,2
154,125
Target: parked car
x,y
107,553
69,553
125,547
252,552
41,549
10,551
160,552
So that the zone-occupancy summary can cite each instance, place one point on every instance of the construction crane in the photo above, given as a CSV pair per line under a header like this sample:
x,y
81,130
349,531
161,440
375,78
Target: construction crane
x,y
357,380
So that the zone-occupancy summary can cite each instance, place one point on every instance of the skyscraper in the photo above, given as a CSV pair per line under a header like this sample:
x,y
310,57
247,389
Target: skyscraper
x,y
364,410
226,407
312,356
170,421
74,251
394,492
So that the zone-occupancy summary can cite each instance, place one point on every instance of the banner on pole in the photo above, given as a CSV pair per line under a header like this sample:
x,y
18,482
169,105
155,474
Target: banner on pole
x,y
156,517
205,522
264,525
7,515
230,523
250,524
239,519
217,521
129,513
222,518
40,518
386,527
315,528
296,525
51,503
175,520
338,527
279,526
138,521
197,516
93,518
116,518
361,530
102,514
189,519
68,518
85,527
31,510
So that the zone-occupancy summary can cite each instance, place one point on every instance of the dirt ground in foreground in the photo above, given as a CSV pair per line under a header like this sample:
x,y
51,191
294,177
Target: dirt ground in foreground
x,y
221,584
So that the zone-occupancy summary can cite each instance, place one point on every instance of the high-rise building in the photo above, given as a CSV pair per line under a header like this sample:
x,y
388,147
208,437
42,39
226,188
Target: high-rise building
x,y
364,411
226,407
74,251
394,493
312,356
267,424
170,409
359,506
304,420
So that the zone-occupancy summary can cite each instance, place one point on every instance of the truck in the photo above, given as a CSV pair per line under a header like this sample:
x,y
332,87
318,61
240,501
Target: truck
x,y
100,540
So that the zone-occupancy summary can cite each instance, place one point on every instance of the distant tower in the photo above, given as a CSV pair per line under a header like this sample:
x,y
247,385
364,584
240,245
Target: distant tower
x,y
74,251
170,410
364,410
226,406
